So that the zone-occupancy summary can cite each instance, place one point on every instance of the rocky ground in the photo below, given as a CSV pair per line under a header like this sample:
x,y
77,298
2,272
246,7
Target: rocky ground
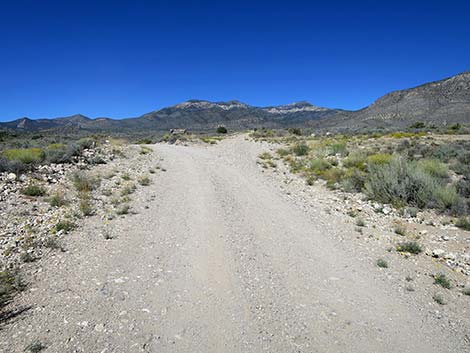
x,y
215,253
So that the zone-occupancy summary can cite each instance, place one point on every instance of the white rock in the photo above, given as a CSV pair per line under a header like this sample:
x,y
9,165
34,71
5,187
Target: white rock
x,y
449,256
386,210
11,177
438,252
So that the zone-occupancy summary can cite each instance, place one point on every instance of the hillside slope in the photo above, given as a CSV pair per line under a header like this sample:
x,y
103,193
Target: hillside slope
x,y
437,103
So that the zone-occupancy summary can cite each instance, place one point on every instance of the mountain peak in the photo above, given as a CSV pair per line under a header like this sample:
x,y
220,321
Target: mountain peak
x,y
203,104
302,106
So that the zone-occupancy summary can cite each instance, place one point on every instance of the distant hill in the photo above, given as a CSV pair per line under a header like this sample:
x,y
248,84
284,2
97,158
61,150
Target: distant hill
x,y
437,103
196,115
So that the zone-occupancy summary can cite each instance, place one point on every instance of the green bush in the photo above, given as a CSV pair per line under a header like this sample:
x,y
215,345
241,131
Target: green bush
x,y
128,189
353,180
282,152
379,159
65,226
337,148
411,247
58,153
221,130
382,263
399,182
300,149
24,155
442,280
433,167
332,175
318,165
86,207
446,198
464,223
83,182
355,160
144,180
57,200
295,131
10,284
33,190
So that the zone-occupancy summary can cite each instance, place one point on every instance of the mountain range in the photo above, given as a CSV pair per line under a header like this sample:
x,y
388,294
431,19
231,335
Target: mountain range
x,y
438,103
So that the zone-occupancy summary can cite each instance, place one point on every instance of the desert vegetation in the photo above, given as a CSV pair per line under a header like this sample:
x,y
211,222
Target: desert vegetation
x,y
404,169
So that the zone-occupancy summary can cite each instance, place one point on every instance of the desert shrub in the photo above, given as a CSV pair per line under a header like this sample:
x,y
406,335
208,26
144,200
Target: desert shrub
x,y
355,159
433,167
265,155
128,189
333,175
310,179
144,180
282,152
262,133
35,347
145,141
439,299
411,247
464,223
86,143
24,155
402,182
399,182
442,280
337,148
84,182
86,207
10,284
411,211
399,135
382,263
295,131
57,200
463,187
318,165
418,125
123,209
33,190
400,229
221,130
460,168
447,198
353,180
360,222
58,153
145,150
65,226
13,166
300,149
97,160
379,159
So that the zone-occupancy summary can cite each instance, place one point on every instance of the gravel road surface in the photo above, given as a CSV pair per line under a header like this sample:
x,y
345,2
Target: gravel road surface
x,y
216,259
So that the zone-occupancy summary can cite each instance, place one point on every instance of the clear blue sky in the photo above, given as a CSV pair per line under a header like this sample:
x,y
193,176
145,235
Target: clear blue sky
x,y
125,58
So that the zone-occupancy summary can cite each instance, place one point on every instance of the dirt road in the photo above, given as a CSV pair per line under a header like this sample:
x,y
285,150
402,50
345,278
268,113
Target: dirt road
x,y
216,259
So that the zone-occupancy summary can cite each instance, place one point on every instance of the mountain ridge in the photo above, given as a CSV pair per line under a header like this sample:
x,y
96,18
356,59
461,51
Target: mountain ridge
x,y
439,102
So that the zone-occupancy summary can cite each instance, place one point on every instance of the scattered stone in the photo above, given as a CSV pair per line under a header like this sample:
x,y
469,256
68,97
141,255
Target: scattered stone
x,y
437,253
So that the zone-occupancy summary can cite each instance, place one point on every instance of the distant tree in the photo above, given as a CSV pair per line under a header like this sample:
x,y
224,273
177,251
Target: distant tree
x,y
221,130
418,125
295,131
